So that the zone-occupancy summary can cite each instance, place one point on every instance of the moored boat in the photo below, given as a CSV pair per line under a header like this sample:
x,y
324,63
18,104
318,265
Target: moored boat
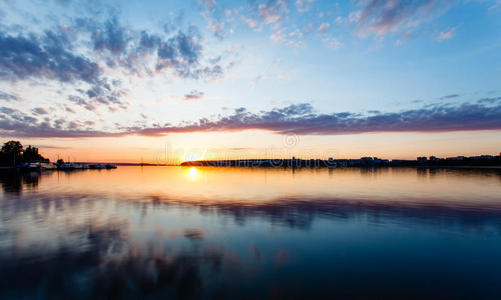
x,y
47,166
65,166
33,166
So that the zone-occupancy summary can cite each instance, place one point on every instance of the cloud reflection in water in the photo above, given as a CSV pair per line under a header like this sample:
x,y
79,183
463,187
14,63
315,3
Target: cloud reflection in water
x,y
57,244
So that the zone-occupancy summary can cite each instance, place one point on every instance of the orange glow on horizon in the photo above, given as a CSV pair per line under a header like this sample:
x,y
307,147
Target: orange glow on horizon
x,y
176,148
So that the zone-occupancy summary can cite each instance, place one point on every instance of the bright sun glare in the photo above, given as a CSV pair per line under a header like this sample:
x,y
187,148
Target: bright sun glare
x,y
193,173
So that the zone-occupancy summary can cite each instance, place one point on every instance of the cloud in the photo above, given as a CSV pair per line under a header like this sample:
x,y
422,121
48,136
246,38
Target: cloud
x,y
303,5
299,119
51,56
489,100
135,51
111,37
292,38
445,35
7,110
8,97
47,56
214,15
40,111
69,109
496,5
256,79
148,42
194,95
208,3
380,17
250,22
323,27
272,11
450,96
180,51
50,147
332,43
217,28
88,56
16,123
80,101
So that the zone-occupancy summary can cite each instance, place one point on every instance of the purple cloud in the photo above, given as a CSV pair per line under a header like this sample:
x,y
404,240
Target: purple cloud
x,y
299,119
381,16
194,95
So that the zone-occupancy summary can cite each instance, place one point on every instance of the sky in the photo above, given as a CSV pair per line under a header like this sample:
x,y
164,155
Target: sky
x,y
167,81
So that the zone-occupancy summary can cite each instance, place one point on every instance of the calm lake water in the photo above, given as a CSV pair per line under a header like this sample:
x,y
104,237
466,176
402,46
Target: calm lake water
x,y
217,233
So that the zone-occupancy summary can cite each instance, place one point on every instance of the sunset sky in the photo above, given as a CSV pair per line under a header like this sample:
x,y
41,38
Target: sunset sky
x,y
166,81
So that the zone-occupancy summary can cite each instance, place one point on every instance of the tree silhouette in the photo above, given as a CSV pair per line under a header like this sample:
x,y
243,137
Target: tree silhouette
x,y
13,147
31,154
11,153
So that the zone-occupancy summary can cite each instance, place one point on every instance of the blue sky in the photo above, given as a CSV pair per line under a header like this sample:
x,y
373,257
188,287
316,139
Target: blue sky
x,y
98,69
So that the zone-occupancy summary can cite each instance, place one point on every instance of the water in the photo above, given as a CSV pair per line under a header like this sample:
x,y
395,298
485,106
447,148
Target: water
x,y
174,232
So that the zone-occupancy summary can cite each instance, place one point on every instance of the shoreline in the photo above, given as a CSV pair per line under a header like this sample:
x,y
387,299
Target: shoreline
x,y
366,162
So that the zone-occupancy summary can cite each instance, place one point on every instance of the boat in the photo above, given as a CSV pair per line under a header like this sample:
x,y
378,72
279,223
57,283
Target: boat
x,y
47,166
66,166
96,166
38,166
79,166
33,166
72,166
110,166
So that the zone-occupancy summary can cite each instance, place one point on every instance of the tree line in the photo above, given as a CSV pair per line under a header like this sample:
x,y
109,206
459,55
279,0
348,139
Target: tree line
x,y
13,153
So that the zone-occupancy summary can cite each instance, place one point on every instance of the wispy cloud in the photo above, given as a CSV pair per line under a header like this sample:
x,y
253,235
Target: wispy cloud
x,y
449,96
214,15
194,95
273,11
303,5
332,43
50,147
256,80
323,27
381,17
445,35
208,3
259,13
496,5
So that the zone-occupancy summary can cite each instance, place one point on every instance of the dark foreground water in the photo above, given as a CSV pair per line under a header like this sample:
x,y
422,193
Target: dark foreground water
x,y
173,232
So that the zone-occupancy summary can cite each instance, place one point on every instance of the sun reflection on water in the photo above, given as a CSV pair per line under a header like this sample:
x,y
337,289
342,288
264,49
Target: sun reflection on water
x,y
193,173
